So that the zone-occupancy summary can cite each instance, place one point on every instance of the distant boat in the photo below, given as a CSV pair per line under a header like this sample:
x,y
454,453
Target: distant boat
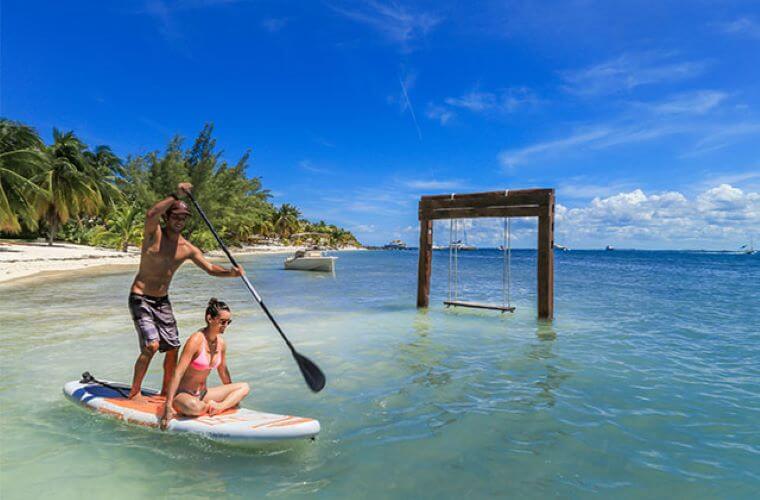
x,y
563,248
609,248
439,247
395,245
458,245
464,246
748,249
310,260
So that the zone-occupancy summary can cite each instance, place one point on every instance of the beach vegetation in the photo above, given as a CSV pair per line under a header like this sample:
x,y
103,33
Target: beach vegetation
x,y
122,227
72,183
92,196
21,159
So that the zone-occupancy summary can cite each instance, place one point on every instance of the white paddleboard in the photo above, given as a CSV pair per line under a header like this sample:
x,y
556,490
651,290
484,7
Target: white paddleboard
x,y
239,425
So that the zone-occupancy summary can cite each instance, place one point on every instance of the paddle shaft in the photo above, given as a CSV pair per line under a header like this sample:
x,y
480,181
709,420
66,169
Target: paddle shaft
x,y
245,279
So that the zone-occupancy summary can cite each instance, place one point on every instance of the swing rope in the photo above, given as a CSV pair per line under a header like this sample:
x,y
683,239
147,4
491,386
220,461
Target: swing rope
x,y
506,268
506,273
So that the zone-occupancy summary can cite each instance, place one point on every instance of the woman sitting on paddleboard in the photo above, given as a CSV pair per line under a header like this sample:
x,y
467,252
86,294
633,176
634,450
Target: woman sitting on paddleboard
x,y
204,351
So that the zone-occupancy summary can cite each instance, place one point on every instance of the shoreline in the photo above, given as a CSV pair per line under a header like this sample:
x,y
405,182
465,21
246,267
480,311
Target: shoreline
x,y
26,262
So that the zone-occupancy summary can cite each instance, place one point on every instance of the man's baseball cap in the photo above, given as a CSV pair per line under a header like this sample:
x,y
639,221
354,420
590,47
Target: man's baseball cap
x,y
178,207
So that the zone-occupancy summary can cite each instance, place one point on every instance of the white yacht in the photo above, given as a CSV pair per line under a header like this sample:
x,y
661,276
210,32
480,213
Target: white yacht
x,y
748,249
459,246
395,245
310,260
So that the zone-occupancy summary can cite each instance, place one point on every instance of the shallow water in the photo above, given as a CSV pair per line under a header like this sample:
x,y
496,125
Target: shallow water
x,y
646,383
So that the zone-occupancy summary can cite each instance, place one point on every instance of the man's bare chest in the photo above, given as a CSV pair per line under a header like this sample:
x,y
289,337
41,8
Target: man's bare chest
x,y
165,254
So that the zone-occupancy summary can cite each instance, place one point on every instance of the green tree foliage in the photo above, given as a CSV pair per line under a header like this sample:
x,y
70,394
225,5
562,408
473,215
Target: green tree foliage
x,y
286,221
21,159
100,199
72,182
123,227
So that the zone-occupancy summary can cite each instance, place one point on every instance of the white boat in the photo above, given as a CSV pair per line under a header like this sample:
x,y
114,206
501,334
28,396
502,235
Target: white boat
x,y
459,246
609,248
748,249
395,245
310,260
561,248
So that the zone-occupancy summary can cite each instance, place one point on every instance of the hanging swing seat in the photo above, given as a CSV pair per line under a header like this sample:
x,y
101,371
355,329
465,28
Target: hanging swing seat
x,y
478,305
454,247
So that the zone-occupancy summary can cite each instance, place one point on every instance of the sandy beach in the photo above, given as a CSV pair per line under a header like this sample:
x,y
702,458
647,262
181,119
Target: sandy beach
x,y
20,260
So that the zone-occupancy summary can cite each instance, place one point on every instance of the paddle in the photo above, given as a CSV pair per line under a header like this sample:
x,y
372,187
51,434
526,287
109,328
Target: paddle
x,y
313,376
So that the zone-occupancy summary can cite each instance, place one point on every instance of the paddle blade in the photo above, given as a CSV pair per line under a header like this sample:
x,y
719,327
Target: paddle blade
x,y
313,376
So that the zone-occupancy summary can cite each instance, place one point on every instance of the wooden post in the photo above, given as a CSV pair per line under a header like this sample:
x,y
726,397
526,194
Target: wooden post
x,y
425,263
546,259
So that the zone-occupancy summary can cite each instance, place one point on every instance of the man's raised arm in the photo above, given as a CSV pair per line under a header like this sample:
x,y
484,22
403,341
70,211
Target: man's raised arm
x,y
154,213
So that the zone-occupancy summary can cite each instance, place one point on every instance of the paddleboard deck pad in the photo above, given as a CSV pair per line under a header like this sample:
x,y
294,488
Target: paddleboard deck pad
x,y
238,425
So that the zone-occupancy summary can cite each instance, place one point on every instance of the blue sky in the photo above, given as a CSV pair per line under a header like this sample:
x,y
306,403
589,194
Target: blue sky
x,y
643,115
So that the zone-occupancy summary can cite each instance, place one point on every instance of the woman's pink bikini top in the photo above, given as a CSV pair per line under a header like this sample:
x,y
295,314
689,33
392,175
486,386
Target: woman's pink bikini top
x,y
201,363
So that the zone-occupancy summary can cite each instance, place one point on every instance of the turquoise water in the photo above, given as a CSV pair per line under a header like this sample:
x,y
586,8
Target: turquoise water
x,y
647,383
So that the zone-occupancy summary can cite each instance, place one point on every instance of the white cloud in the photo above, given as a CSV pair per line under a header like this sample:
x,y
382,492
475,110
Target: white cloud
x,y
440,113
629,71
395,22
721,136
309,166
580,188
699,102
474,101
510,158
708,135
433,184
742,26
746,179
163,11
722,214
477,101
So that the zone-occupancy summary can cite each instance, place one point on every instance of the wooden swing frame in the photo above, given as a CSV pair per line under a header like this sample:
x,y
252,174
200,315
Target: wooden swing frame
x,y
520,203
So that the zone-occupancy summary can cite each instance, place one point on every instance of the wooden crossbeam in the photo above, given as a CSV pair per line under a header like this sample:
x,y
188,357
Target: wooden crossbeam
x,y
525,195
470,213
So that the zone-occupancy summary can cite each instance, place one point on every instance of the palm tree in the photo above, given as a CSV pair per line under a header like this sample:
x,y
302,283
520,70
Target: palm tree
x,y
70,183
21,158
107,169
286,220
123,227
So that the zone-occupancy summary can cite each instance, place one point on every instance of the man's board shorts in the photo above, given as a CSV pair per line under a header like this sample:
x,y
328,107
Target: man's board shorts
x,y
154,321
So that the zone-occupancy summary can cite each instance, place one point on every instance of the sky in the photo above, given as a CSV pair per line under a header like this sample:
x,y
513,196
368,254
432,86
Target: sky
x,y
643,115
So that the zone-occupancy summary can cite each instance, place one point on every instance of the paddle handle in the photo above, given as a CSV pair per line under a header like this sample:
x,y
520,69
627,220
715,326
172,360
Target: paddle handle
x,y
245,279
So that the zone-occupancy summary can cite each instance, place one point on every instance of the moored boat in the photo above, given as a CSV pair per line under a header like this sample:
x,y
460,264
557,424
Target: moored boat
x,y
395,245
458,245
748,249
310,260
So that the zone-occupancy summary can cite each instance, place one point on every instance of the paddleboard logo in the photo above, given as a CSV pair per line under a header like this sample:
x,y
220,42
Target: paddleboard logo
x,y
218,420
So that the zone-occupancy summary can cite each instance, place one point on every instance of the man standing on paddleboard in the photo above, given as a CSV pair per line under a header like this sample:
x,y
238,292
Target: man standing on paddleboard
x,y
163,251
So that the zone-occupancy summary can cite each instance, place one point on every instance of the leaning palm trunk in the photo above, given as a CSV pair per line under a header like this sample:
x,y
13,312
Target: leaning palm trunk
x,y
52,220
